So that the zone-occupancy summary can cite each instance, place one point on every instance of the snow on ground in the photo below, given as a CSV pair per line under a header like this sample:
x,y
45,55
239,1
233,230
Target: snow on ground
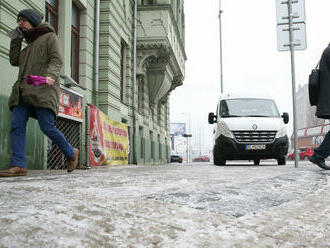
x,y
174,205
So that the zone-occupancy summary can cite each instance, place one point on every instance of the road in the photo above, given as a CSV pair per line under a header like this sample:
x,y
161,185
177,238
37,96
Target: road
x,y
171,205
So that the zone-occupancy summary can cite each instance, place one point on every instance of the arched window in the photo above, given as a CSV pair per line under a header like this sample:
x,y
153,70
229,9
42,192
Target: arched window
x,y
51,13
123,54
141,93
159,112
147,2
75,33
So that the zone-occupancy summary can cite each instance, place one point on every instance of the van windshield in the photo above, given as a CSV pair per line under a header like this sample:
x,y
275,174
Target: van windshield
x,y
247,107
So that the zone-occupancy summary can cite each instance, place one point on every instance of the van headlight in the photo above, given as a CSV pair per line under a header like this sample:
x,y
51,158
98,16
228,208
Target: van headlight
x,y
280,133
224,130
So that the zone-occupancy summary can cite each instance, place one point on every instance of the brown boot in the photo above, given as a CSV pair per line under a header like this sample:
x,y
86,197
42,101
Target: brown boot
x,y
73,162
13,171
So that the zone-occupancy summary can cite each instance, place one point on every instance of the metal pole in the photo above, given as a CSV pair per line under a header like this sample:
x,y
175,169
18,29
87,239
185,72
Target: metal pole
x,y
88,133
220,32
188,143
189,157
134,82
187,149
97,53
293,76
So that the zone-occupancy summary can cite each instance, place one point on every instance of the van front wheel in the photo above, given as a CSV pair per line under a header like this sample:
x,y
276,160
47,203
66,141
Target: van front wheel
x,y
217,160
281,161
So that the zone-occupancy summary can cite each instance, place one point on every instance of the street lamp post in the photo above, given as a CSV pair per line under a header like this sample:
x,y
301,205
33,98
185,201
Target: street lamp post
x,y
220,32
187,136
188,145
293,78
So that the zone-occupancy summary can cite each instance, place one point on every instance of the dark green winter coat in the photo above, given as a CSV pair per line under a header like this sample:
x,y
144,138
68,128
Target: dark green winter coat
x,y
40,57
323,100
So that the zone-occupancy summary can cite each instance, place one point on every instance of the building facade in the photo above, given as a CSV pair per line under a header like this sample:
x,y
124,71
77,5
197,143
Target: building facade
x,y
305,111
311,130
125,68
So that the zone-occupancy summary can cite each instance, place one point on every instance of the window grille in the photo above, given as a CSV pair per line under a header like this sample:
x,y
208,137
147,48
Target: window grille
x,y
72,132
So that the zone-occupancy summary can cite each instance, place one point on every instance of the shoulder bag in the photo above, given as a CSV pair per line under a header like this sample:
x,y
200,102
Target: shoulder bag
x,y
313,85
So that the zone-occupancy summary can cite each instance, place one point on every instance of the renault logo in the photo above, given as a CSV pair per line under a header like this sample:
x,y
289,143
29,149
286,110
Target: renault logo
x,y
254,126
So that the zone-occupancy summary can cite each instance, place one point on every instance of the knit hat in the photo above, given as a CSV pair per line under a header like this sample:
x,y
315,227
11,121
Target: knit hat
x,y
33,16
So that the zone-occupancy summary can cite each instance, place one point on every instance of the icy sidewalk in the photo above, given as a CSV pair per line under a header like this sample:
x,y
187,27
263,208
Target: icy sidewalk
x,y
168,206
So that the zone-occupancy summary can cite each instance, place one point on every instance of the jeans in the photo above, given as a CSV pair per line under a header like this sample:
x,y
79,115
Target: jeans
x,y
323,151
46,120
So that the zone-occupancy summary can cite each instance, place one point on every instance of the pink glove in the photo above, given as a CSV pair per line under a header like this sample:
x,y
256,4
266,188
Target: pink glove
x,y
35,80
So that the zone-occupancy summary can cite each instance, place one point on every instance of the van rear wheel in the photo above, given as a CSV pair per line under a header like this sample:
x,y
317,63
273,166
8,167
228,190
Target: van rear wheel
x,y
256,161
281,161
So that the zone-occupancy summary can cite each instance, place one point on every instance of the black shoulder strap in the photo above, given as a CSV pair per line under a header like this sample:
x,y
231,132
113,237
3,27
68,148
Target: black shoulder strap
x,y
318,64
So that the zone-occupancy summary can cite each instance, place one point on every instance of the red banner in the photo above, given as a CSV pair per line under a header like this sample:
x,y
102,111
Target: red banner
x,y
97,155
109,143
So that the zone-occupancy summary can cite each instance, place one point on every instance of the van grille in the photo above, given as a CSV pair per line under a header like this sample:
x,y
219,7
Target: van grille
x,y
254,136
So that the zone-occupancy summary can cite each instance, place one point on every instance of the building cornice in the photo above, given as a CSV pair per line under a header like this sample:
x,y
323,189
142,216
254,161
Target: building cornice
x,y
169,9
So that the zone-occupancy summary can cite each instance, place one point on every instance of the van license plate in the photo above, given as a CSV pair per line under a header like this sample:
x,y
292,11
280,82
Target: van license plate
x,y
255,147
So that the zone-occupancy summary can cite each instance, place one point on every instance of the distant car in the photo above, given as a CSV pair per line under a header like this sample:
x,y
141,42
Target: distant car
x,y
291,156
201,159
306,153
176,158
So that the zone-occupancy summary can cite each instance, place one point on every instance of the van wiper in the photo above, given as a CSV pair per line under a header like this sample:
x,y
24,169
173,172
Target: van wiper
x,y
226,116
257,116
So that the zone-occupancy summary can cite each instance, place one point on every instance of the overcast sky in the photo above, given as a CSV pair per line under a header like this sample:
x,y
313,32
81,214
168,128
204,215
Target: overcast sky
x,y
251,61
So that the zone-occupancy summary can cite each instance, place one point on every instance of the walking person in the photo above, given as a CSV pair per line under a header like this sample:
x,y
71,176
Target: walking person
x,y
40,100
323,109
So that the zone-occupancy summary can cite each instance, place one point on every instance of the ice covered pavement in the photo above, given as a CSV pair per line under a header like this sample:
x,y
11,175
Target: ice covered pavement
x,y
174,205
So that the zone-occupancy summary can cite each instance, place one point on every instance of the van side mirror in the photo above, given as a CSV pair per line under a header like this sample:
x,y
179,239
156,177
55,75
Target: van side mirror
x,y
212,118
285,117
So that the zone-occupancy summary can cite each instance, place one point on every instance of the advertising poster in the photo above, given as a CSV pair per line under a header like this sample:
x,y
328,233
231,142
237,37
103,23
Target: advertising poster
x,y
177,129
109,143
96,151
70,105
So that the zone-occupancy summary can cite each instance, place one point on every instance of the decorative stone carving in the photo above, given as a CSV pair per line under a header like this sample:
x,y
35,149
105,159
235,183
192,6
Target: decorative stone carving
x,y
156,60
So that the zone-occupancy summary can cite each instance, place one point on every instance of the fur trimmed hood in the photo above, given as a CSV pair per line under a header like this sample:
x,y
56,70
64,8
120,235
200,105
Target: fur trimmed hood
x,y
34,33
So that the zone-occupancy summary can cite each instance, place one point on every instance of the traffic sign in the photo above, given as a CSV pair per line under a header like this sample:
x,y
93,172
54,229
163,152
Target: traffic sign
x,y
291,35
299,37
298,11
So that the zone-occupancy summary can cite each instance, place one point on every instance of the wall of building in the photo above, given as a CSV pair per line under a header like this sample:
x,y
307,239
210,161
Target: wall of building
x,y
311,130
160,68
116,29
35,153
305,111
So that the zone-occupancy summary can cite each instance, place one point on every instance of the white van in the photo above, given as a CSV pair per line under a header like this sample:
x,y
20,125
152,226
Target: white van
x,y
248,128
